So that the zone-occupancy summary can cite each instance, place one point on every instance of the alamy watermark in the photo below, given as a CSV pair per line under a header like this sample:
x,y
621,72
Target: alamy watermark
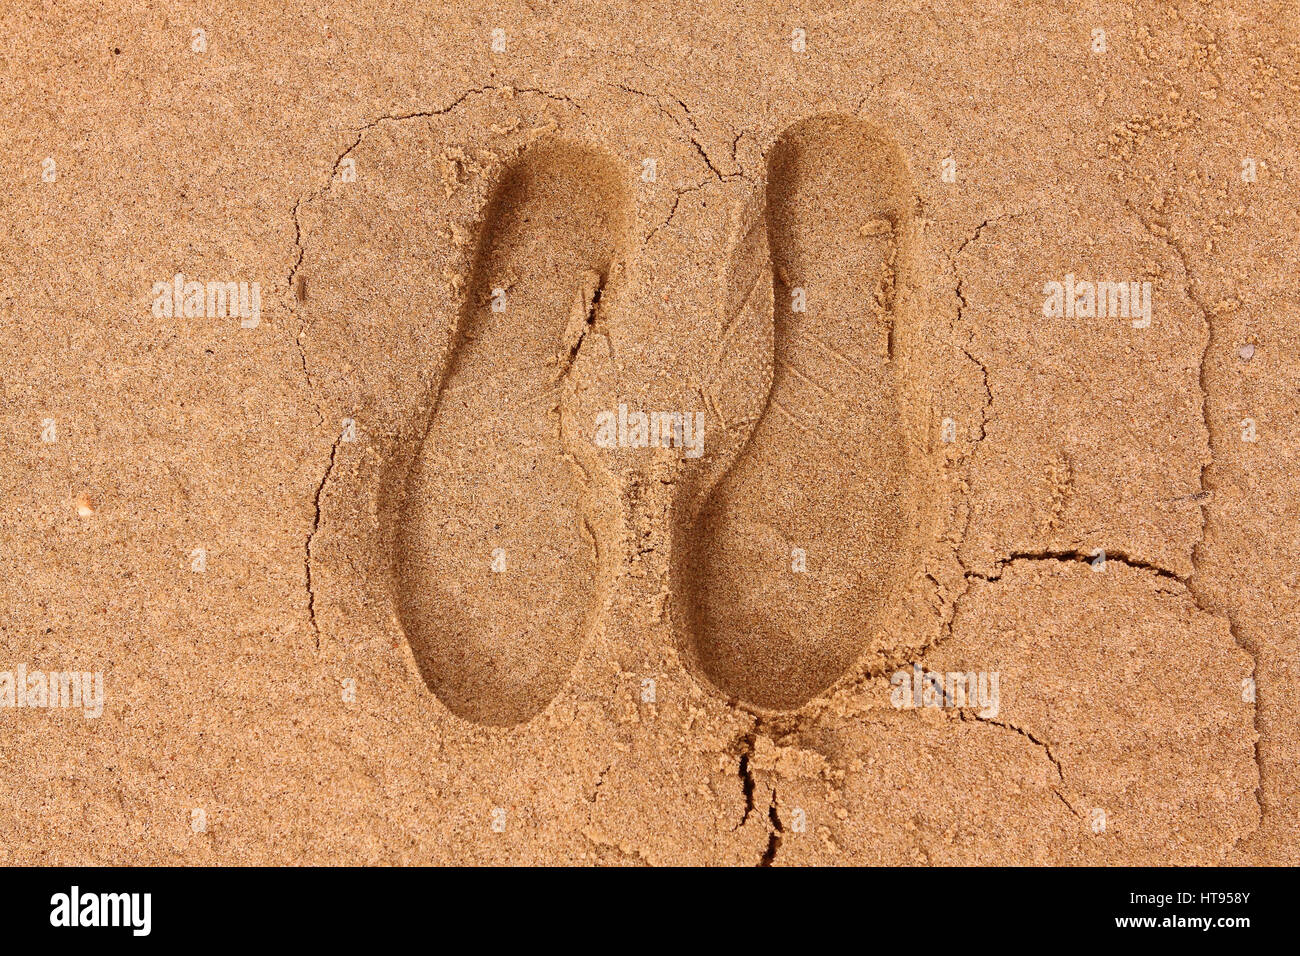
x,y
624,429
214,300
24,688
922,688
130,910
1084,299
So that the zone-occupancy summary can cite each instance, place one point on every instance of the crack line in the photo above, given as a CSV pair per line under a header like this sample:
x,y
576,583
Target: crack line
x,y
1205,496
311,535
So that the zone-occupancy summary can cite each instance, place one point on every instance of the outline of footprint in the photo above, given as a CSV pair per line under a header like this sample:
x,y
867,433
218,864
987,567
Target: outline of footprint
x,y
497,647
756,629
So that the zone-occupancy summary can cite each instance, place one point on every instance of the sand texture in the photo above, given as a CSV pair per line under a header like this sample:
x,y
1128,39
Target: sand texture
x,y
376,565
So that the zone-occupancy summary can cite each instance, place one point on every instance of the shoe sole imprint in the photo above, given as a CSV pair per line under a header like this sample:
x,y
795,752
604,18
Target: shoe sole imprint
x,y
787,566
495,570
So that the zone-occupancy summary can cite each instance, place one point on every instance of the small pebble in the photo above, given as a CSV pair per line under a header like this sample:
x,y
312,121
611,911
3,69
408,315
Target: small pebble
x,y
1247,352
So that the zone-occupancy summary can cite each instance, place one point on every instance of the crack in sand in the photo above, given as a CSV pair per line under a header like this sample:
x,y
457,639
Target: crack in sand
x,y
1068,556
1167,238
747,743
300,250
693,135
294,290
1206,492
975,717
1065,557
677,199
775,833
600,782
361,132
985,412
591,303
959,282
311,535
745,771
442,111
735,146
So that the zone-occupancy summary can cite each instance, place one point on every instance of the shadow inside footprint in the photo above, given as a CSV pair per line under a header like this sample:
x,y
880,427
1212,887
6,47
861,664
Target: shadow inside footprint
x,y
789,563
495,573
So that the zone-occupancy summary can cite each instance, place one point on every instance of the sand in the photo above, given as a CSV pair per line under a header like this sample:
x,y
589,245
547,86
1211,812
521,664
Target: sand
x,y
963,564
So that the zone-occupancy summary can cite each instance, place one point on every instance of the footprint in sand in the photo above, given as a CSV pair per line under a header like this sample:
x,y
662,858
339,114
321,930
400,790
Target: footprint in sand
x,y
496,572
789,563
